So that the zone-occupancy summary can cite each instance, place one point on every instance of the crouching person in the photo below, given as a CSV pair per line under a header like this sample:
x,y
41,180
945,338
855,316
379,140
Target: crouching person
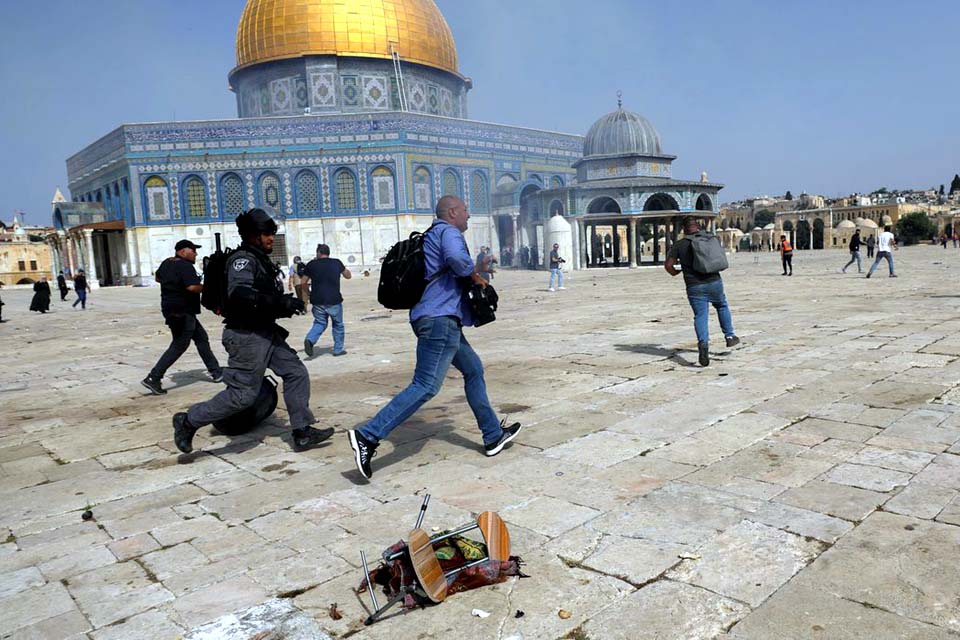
x,y
254,341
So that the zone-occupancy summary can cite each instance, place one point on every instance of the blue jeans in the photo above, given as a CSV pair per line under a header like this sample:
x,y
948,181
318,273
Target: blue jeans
x,y
701,296
81,299
440,343
320,314
880,256
559,275
854,257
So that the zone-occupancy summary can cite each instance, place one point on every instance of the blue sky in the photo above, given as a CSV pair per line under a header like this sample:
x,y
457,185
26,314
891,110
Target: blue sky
x,y
827,97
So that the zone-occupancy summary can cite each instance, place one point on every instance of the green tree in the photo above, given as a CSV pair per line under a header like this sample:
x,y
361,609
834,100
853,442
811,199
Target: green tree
x,y
915,227
788,195
764,217
955,184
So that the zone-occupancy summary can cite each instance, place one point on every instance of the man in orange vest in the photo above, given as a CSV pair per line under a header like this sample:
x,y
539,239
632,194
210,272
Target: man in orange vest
x,y
786,255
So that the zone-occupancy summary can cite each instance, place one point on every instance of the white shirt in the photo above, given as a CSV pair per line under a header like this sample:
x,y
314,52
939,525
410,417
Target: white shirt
x,y
885,242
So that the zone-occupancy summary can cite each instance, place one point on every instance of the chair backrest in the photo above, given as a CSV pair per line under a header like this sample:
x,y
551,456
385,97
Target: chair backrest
x,y
495,535
426,565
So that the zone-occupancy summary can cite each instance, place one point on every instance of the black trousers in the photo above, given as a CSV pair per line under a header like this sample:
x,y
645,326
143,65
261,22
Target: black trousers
x,y
787,262
185,329
63,294
250,354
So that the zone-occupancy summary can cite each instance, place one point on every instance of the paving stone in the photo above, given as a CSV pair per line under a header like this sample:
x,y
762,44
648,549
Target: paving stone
x,y
177,559
272,619
300,572
866,477
67,626
117,591
632,560
951,512
899,566
25,608
921,500
549,516
209,603
667,609
896,459
76,563
747,562
133,546
152,624
841,501
183,530
602,449
20,580
799,611
813,431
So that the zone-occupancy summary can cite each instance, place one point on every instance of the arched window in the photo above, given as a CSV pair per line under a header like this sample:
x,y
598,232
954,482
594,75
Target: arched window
x,y
345,185
556,182
383,189
270,190
231,195
451,184
308,192
703,203
422,189
536,178
158,198
479,194
196,197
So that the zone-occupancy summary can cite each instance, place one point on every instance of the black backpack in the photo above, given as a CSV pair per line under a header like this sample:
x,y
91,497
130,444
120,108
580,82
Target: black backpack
x,y
403,274
214,296
483,302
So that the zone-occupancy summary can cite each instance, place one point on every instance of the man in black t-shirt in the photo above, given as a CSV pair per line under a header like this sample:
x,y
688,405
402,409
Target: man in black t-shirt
x,y
322,277
703,290
180,290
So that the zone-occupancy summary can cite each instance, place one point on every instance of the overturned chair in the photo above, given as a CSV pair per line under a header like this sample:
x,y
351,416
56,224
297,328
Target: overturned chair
x,y
423,570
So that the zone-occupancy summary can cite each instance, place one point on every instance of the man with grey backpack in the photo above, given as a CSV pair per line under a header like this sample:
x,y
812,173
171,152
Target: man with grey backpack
x,y
702,259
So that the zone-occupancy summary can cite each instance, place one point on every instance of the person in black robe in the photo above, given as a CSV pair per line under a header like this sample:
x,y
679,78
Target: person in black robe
x,y
1,306
41,296
62,285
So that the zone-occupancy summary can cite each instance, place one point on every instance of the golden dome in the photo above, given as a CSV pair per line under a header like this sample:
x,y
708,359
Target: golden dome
x,y
281,29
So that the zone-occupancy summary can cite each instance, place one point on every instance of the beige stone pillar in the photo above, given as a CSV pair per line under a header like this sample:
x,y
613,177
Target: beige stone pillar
x,y
632,252
91,259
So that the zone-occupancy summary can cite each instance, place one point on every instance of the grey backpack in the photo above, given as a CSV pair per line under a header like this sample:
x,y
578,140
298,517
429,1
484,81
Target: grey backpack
x,y
708,255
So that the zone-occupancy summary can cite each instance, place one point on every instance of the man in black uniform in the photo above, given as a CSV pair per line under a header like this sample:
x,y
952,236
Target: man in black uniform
x,y
62,285
180,291
254,342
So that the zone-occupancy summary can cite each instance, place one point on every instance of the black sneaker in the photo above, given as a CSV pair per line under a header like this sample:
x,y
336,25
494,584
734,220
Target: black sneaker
x,y
308,347
183,432
340,353
363,452
869,274
704,351
154,385
509,433
732,341
308,437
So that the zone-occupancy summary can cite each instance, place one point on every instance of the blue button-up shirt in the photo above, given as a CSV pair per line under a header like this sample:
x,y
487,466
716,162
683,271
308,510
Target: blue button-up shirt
x,y
446,260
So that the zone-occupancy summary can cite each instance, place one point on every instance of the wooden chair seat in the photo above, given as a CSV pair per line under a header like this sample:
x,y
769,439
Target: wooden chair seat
x,y
495,535
426,566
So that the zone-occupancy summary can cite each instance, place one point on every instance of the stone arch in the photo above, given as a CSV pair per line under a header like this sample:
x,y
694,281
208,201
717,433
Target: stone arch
x,y
604,204
704,203
555,208
661,202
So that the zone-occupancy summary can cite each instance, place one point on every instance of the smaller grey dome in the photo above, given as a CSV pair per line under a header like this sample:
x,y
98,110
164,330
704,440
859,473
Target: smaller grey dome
x,y
621,133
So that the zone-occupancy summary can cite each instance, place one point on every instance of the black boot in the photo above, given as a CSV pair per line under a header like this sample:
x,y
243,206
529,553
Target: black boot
x,y
308,437
183,432
704,351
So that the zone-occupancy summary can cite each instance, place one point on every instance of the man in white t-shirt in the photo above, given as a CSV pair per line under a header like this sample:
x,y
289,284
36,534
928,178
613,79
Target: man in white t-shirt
x,y
886,244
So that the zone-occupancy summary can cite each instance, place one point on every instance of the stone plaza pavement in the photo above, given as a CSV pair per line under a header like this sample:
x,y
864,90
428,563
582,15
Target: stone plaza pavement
x,y
805,485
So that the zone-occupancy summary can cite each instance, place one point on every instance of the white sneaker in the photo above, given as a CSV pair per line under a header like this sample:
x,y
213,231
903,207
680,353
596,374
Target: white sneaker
x,y
562,288
551,289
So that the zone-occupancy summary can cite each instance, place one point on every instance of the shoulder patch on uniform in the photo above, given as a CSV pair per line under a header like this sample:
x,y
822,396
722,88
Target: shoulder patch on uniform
x,y
240,264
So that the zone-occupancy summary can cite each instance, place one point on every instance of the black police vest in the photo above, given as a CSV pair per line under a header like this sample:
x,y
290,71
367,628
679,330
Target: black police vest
x,y
265,281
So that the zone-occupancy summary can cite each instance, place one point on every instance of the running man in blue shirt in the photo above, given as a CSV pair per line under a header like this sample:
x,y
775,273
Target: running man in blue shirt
x,y
438,321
